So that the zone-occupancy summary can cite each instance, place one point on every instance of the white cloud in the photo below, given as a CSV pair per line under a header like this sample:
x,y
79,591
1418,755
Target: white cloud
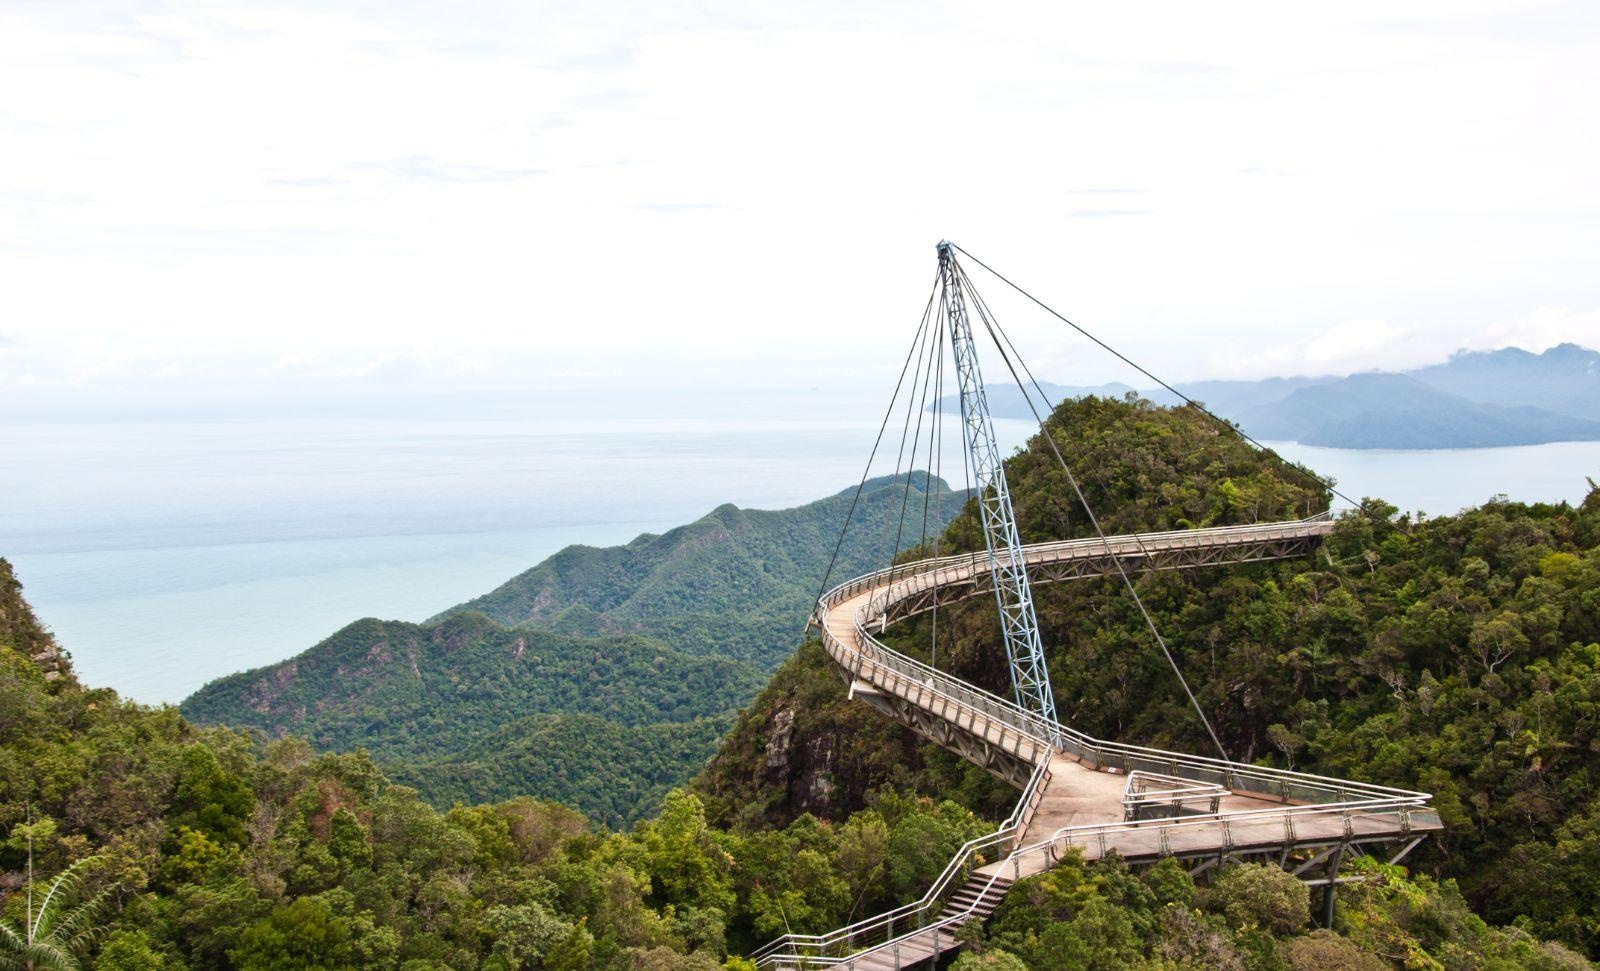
x,y
1545,327
391,188
1373,344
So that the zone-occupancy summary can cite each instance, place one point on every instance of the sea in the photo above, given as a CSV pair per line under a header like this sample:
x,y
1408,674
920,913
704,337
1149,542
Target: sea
x,y
165,554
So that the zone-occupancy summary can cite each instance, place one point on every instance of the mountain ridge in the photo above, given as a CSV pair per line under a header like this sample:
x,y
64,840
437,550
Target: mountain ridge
x,y
1480,399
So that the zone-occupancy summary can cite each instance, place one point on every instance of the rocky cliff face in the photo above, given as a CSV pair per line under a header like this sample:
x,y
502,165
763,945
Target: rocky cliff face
x,y
21,631
804,747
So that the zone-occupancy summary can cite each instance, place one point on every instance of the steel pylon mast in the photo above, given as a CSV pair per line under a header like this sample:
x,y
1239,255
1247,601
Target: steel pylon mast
x,y
1030,679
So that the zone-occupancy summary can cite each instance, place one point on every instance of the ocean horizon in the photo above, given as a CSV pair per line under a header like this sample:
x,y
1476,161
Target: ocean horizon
x,y
165,554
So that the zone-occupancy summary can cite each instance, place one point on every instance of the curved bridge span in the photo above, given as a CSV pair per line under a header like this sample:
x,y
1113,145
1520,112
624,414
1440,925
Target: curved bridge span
x,y
1080,793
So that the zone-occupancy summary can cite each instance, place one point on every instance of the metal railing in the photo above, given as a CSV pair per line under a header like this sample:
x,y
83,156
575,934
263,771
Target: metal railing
x,y
972,566
1243,828
873,932
1157,795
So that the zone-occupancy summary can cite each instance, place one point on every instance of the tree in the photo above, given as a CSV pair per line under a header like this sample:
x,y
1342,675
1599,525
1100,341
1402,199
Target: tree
x,y
303,935
990,960
1323,950
525,934
209,799
1251,896
573,953
130,951
685,864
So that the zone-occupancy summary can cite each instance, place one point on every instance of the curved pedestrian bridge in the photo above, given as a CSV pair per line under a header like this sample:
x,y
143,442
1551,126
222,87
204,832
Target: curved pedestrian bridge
x,y
1081,793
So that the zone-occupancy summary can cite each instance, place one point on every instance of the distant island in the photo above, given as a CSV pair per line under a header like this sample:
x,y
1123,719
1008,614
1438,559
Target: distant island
x,y
1477,399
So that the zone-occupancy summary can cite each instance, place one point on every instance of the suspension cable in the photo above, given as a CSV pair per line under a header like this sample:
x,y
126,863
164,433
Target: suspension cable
x,y
933,432
867,472
1321,482
936,446
990,326
922,404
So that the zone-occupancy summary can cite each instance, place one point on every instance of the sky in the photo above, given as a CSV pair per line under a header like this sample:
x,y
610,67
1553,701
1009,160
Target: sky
x,y
209,206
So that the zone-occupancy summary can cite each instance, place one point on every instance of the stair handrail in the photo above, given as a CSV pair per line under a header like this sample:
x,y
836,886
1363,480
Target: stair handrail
x,y
1010,830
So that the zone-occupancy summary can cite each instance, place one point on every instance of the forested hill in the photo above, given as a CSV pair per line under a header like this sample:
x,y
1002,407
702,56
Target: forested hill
x,y
566,698
21,631
181,848
737,582
465,709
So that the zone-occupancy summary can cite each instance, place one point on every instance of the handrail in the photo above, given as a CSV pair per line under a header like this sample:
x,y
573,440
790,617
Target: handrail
x,y
1347,811
1176,791
1165,539
1014,825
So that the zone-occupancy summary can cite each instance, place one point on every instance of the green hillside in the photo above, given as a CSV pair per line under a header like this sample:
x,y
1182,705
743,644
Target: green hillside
x,y
681,587
191,849
435,703
615,773
803,747
534,687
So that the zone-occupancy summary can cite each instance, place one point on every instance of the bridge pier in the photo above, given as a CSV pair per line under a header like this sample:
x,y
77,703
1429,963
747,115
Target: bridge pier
x,y
1325,912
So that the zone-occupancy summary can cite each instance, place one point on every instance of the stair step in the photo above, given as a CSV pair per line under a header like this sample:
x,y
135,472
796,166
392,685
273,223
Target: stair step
x,y
977,912
975,900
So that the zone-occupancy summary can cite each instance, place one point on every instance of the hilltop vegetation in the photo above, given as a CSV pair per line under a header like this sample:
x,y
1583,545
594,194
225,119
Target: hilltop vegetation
x,y
759,568
601,677
802,746
1249,917
468,710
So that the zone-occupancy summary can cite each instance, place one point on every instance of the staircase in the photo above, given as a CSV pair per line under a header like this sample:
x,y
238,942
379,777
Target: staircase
x,y
975,901
979,895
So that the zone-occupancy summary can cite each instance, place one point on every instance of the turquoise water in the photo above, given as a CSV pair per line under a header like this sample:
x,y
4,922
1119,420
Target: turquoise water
x,y
1447,480
165,554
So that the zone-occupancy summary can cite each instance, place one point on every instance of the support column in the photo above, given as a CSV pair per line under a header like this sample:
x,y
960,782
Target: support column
x,y
1030,679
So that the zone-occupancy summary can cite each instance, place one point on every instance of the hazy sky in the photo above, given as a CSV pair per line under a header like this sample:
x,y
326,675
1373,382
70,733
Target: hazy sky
x,y
205,201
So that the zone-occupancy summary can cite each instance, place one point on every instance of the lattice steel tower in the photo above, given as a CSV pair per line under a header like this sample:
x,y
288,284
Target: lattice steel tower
x,y
1030,679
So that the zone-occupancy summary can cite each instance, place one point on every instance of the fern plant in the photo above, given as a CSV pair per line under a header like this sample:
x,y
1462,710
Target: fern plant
x,y
55,934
